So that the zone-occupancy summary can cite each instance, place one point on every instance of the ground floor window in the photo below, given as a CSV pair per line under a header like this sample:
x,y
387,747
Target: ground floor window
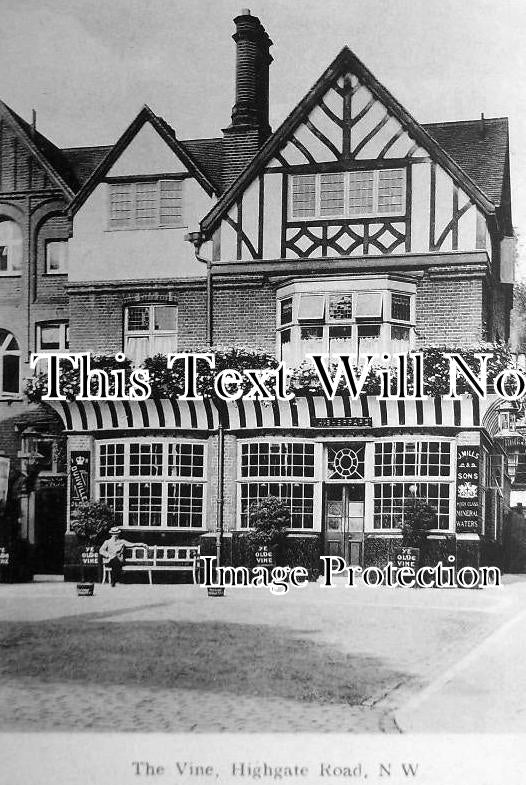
x,y
298,496
153,483
281,469
391,499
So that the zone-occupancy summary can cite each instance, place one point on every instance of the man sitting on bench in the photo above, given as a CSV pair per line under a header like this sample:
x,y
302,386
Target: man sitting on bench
x,y
112,552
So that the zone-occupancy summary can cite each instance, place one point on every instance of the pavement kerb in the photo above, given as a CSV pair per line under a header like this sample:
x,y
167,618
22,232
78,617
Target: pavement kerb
x,y
448,675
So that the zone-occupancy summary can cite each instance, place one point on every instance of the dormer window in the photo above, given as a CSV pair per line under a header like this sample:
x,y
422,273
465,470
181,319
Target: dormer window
x,y
145,204
356,194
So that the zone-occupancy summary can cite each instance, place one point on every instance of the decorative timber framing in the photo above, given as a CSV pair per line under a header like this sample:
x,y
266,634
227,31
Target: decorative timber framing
x,y
337,79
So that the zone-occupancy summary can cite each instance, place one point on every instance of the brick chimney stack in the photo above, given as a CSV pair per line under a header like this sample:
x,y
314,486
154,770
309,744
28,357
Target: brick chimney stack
x,y
250,111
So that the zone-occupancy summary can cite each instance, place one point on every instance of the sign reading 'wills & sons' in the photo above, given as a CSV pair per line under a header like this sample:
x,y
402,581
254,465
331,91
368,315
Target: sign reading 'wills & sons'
x,y
468,508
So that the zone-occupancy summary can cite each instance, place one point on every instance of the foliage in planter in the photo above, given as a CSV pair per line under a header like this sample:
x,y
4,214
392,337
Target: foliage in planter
x,y
165,382
304,379
419,519
304,551
269,520
92,522
438,551
169,383
380,550
37,385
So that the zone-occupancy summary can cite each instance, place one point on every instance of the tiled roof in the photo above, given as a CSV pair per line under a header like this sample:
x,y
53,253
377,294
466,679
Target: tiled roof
x,y
208,153
84,160
46,149
225,158
480,153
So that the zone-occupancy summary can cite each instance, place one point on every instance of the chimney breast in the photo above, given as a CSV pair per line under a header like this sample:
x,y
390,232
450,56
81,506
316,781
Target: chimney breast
x,y
250,111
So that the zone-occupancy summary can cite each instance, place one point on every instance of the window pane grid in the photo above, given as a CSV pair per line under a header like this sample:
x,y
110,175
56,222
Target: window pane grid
x,y
391,500
147,203
390,190
277,459
304,196
111,460
298,496
401,307
185,505
159,502
186,460
412,459
146,460
355,194
332,194
112,495
145,503
361,192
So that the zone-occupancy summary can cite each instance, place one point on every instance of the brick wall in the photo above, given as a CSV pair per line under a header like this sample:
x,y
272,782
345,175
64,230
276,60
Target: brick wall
x,y
97,314
449,310
245,315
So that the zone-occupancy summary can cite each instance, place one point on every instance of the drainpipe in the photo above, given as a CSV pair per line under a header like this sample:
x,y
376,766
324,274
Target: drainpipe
x,y
220,488
197,239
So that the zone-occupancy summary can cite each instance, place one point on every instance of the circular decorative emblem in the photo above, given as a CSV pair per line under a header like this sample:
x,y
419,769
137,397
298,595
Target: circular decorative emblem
x,y
346,462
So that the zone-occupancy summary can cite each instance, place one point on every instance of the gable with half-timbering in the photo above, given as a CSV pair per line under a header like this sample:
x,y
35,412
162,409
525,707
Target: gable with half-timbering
x,y
352,179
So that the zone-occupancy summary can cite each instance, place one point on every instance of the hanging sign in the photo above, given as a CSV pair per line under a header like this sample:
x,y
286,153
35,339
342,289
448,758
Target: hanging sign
x,y
79,470
468,508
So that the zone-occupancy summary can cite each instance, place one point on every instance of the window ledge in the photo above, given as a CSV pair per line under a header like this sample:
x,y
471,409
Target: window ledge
x,y
143,228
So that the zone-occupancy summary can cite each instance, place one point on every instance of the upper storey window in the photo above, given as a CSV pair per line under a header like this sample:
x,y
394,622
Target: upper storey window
x,y
146,204
57,257
10,248
149,330
357,194
9,364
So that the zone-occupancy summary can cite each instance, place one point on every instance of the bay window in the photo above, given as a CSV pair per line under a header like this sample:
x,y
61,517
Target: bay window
x,y
358,322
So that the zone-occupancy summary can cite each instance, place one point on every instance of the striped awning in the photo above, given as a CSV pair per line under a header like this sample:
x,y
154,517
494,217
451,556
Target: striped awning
x,y
314,412
82,416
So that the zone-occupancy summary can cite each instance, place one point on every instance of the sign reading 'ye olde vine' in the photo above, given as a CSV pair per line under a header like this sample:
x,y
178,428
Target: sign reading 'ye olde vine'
x,y
468,515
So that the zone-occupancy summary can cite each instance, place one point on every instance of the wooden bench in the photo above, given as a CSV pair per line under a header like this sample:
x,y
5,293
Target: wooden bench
x,y
180,558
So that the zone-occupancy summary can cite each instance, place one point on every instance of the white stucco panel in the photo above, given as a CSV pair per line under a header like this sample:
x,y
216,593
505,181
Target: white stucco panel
x,y
99,254
147,153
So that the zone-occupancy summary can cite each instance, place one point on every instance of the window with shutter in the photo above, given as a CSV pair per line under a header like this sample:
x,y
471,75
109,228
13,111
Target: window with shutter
x,y
146,204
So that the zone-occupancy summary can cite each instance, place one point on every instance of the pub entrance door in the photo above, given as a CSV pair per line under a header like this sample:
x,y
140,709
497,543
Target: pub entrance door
x,y
344,521
50,528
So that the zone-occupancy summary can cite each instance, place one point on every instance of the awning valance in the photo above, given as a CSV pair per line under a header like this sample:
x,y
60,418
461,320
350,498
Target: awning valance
x,y
137,415
314,412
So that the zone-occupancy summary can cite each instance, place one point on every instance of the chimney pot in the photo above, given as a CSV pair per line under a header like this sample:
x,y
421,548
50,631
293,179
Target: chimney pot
x,y
245,12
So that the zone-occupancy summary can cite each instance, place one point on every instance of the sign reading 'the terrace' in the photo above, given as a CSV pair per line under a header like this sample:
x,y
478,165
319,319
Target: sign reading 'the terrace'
x,y
468,489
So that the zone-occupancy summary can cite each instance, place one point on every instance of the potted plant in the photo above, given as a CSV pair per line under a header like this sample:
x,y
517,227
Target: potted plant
x,y
91,524
269,520
419,518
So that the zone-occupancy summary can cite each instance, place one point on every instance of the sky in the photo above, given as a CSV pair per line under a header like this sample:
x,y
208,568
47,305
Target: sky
x,y
88,66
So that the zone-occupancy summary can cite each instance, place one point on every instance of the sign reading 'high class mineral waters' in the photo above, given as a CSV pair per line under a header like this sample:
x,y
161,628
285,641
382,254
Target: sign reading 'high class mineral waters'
x,y
468,508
